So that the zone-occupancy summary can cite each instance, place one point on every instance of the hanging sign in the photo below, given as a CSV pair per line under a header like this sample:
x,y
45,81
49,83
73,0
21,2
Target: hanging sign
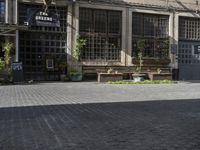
x,y
41,18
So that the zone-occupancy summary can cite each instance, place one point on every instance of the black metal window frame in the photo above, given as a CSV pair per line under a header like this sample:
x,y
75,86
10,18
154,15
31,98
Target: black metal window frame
x,y
154,30
39,43
189,28
2,11
102,31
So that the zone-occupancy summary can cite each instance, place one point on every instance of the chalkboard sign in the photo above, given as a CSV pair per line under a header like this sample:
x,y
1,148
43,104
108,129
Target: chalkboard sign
x,y
17,70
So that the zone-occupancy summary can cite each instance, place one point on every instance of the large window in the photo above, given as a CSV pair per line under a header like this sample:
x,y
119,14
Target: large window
x,y
102,31
2,10
189,28
153,31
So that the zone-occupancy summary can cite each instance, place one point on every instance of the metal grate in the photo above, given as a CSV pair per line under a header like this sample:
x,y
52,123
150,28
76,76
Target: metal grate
x,y
154,30
37,44
189,28
35,48
102,31
2,10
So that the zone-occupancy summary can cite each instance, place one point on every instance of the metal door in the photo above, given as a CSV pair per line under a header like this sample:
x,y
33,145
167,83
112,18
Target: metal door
x,y
36,48
189,60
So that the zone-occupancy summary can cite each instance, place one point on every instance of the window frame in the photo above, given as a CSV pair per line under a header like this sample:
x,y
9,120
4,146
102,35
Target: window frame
x,y
157,31
104,36
2,11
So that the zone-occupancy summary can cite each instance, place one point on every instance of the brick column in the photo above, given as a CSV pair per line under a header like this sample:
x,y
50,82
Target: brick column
x,y
124,43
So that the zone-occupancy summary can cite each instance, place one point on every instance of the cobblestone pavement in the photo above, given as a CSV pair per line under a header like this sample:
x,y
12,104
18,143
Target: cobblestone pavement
x,y
91,116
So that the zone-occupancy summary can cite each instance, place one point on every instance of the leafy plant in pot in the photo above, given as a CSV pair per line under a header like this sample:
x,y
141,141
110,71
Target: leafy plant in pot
x,y
5,61
138,76
76,69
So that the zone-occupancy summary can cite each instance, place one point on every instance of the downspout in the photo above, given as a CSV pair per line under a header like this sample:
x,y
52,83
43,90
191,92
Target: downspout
x,y
17,33
6,12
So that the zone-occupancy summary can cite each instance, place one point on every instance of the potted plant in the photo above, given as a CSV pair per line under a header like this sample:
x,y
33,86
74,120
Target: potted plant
x,y
76,74
5,61
76,69
138,76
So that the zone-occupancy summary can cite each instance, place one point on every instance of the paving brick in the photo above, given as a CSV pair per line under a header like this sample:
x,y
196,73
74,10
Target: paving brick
x,y
91,116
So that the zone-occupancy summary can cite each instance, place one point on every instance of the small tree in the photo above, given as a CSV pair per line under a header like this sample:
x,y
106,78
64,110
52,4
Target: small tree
x,y
7,47
76,70
5,61
2,65
78,47
141,47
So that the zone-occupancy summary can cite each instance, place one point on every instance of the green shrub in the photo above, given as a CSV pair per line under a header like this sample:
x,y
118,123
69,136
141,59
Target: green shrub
x,y
142,82
2,65
74,72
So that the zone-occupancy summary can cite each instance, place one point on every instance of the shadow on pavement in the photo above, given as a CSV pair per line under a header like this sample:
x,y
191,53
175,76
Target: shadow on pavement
x,y
151,125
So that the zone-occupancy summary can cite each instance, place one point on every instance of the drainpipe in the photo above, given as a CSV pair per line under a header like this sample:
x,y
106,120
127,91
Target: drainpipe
x,y
6,12
127,33
17,33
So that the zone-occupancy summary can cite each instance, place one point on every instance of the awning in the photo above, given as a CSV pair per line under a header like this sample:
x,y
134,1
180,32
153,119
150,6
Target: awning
x,y
9,30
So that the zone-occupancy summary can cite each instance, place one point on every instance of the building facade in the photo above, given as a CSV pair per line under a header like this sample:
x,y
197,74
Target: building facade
x,y
45,36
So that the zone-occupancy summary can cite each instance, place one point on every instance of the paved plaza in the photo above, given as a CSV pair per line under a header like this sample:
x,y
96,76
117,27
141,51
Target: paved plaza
x,y
92,116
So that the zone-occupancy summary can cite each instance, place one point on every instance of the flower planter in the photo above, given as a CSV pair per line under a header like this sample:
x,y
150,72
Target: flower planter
x,y
105,77
151,61
138,77
161,76
76,77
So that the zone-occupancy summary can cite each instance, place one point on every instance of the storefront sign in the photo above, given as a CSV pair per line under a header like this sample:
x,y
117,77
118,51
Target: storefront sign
x,y
41,18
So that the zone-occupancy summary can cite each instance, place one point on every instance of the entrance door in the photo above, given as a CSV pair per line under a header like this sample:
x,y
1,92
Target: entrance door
x,y
189,60
35,48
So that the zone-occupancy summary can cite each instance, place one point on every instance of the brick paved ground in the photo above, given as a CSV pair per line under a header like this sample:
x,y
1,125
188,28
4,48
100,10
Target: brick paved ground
x,y
57,116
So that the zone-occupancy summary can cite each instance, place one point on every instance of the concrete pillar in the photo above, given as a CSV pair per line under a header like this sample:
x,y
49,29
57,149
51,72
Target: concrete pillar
x,y
17,46
176,37
15,21
69,33
72,29
129,38
124,38
171,37
15,11
75,28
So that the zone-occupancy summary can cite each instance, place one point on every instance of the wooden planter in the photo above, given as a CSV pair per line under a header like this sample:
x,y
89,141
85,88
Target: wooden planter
x,y
76,77
151,61
161,76
105,77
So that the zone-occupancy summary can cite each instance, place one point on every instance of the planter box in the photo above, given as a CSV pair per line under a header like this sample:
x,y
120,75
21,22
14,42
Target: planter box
x,y
161,76
76,78
151,61
105,77
137,77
